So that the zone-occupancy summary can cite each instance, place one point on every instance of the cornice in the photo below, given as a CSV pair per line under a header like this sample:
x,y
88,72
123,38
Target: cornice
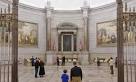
x,y
24,6
104,7
128,0
5,1
95,9
67,11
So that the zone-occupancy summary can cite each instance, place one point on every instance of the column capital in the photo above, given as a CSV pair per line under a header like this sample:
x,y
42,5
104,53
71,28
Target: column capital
x,y
85,11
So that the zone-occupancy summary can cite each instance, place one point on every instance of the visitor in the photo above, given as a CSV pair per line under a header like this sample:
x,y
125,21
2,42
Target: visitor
x,y
108,60
39,59
57,61
111,65
41,70
32,61
35,59
63,61
113,38
36,67
116,62
64,76
98,62
76,73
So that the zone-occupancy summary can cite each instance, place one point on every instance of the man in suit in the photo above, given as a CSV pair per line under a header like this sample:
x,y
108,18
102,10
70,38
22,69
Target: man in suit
x,y
76,73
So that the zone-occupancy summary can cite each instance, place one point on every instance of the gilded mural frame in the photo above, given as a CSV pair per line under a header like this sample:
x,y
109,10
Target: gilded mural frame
x,y
37,33
35,45
129,42
97,29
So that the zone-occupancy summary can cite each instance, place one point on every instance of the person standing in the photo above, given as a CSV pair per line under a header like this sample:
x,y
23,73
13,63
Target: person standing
x,y
111,65
41,71
64,76
57,61
76,73
98,62
32,61
36,67
116,62
63,61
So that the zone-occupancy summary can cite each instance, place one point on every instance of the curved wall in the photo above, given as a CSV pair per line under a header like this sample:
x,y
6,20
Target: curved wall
x,y
32,15
96,15
103,14
106,13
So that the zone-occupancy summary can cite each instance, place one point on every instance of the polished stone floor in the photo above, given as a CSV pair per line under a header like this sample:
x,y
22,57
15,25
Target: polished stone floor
x,y
91,73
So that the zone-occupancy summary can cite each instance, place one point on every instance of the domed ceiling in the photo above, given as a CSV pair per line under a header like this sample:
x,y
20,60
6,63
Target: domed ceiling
x,y
66,4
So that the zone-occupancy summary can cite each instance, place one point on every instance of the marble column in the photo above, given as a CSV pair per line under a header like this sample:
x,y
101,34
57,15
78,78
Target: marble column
x,y
84,55
49,11
49,50
85,12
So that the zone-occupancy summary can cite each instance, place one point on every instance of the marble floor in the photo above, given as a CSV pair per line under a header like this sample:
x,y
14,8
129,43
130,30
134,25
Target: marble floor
x,y
91,73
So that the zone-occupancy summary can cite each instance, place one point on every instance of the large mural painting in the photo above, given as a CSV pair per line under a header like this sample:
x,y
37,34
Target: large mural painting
x,y
107,34
27,34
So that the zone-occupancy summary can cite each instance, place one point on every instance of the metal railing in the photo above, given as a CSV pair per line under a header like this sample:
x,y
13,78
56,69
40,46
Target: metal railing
x,y
5,44
129,31
9,41
126,42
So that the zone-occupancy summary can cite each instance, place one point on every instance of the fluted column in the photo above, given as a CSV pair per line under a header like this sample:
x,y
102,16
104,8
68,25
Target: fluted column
x,y
85,12
49,11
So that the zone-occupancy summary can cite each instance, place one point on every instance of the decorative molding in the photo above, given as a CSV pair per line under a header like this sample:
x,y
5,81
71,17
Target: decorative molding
x,y
25,6
67,11
67,27
106,6
66,24
103,7
60,31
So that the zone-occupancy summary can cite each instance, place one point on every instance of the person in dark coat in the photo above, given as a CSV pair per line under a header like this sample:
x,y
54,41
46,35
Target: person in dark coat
x,y
41,71
116,62
36,67
76,73
63,60
32,61
57,61
98,62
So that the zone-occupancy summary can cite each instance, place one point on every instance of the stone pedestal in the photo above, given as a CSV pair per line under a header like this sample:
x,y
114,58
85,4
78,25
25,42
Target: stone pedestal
x,y
84,58
50,58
